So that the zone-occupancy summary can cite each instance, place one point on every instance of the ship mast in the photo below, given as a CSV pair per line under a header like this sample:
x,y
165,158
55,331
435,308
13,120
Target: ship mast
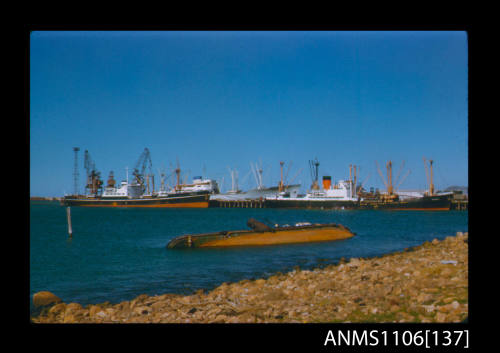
x,y
257,173
261,184
431,185
350,179
234,180
389,178
429,180
280,186
178,173
355,180
162,175
389,185
75,172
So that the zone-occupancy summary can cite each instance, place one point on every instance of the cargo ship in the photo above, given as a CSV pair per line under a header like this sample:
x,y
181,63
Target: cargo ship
x,y
195,195
347,194
435,202
258,193
337,196
392,200
140,192
261,234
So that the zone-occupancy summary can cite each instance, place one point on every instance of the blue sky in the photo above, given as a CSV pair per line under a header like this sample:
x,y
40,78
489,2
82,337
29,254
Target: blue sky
x,y
215,100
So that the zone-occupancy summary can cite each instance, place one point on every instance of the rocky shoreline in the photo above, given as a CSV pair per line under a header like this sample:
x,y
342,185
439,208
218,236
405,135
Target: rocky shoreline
x,y
427,283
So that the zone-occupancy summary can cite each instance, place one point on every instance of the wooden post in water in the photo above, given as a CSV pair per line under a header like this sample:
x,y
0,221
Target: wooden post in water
x,y
68,213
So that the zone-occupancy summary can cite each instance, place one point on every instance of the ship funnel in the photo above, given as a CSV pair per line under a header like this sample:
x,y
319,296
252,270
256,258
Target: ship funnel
x,y
327,182
111,180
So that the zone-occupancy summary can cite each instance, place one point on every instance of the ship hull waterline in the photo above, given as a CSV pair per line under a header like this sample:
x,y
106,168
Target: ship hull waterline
x,y
426,203
198,201
311,204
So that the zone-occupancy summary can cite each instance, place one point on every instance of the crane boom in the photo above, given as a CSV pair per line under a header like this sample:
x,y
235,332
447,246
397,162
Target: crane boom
x,y
141,165
253,169
295,176
403,179
364,181
399,172
287,171
94,183
380,173
88,164
426,170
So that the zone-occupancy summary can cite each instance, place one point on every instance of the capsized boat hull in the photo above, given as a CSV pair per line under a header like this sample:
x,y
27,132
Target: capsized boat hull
x,y
282,235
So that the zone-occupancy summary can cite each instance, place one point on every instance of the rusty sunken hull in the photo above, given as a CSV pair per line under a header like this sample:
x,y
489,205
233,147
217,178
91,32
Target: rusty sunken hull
x,y
279,235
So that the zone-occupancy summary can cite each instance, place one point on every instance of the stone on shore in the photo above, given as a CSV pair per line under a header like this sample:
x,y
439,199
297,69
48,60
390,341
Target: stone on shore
x,y
407,286
45,298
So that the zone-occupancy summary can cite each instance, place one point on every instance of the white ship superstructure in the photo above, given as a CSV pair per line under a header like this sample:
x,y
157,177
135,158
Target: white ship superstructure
x,y
331,196
199,185
124,190
140,192
410,194
342,191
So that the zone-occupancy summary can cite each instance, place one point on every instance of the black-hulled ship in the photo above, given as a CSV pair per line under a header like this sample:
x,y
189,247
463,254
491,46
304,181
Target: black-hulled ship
x,y
346,194
428,201
140,192
435,202
332,196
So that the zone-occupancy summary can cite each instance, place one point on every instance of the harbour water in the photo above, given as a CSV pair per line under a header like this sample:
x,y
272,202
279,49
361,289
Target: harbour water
x,y
116,254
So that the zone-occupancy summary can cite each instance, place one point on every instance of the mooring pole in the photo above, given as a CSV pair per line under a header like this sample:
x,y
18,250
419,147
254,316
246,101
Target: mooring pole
x,y
68,213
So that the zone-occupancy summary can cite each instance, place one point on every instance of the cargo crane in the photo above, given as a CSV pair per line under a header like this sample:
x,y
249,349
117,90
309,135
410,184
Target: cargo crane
x,y
313,167
94,182
391,185
402,179
284,182
294,177
360,188
140,168
388,185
